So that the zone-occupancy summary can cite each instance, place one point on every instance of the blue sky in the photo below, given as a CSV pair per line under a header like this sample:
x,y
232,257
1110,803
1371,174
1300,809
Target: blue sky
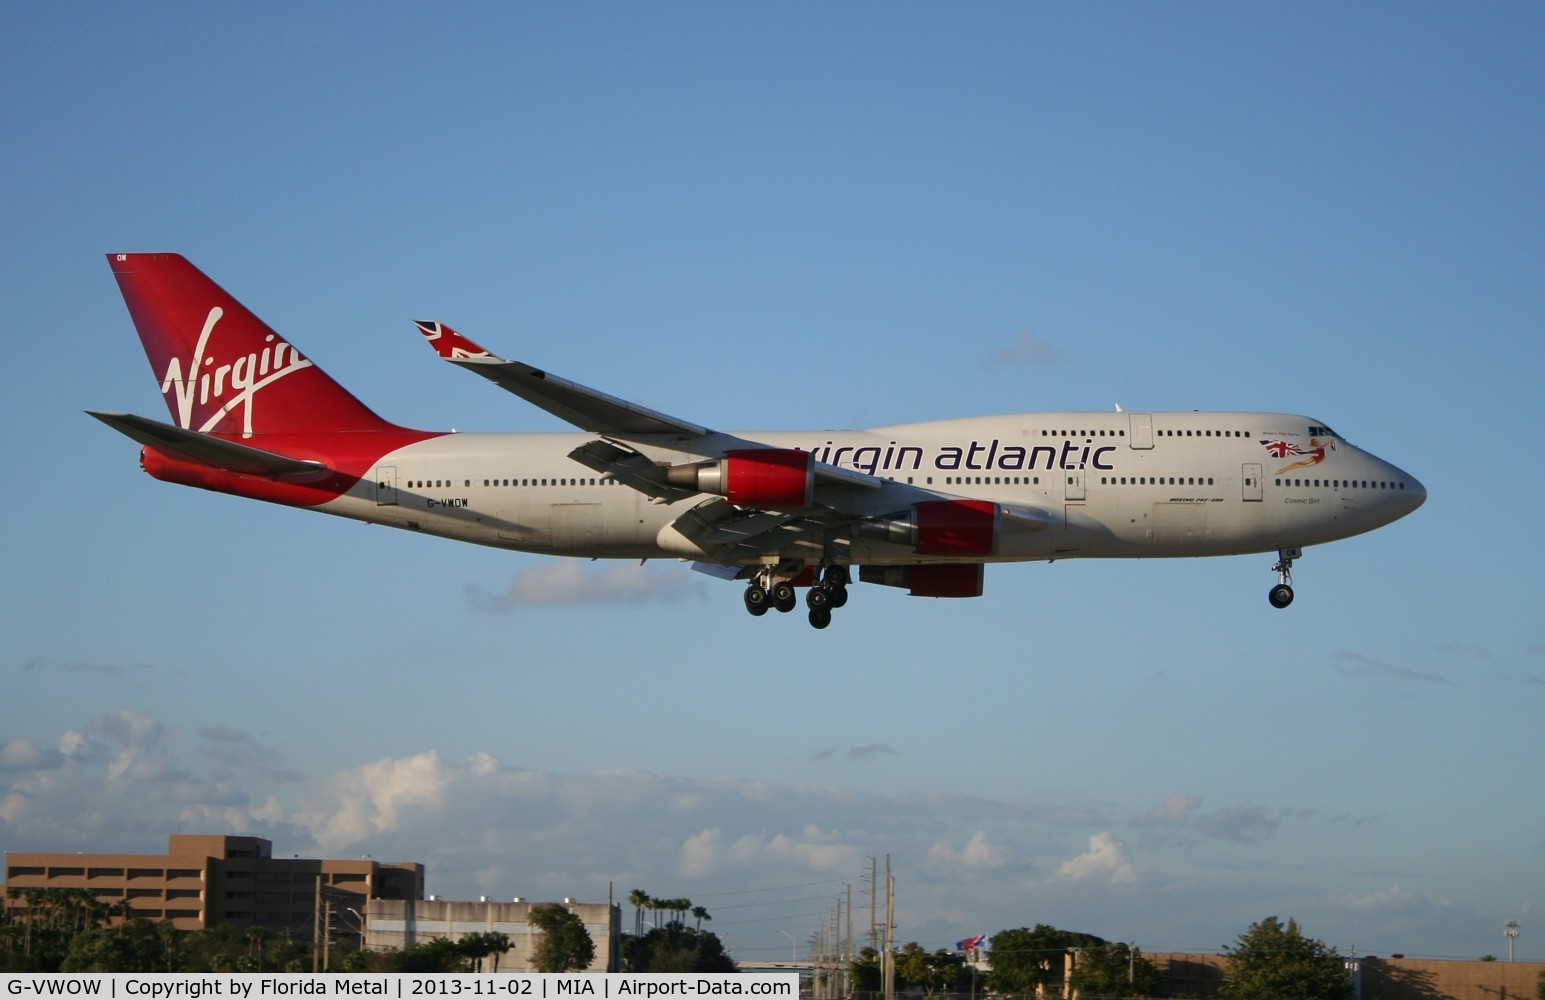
x,y
803,216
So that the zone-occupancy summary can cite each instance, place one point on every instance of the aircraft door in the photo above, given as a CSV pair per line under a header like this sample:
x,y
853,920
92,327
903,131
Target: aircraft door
x,y
576,525
386,486
1250,477
1141,433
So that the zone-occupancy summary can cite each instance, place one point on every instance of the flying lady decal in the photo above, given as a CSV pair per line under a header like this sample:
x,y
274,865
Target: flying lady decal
x,y
1313,455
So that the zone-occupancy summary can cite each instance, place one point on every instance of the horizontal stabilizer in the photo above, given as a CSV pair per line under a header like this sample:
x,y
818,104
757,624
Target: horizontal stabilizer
x,y
206,449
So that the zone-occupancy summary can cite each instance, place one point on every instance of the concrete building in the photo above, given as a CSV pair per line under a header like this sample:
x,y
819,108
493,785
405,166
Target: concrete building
x,y
402,923
205,881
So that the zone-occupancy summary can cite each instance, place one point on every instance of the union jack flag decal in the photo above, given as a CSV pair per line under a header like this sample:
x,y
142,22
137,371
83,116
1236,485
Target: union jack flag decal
x,y
1281,449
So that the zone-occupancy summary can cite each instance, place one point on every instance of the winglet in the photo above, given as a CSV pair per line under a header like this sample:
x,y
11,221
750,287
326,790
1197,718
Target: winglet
x,y
449,344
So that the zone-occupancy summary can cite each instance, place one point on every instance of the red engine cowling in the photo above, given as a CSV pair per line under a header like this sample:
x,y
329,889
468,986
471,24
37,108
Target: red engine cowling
x,y
946,580
956,528
776,478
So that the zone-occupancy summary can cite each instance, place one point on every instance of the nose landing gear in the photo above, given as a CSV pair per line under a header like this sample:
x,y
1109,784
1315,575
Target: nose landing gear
x,y
1281,595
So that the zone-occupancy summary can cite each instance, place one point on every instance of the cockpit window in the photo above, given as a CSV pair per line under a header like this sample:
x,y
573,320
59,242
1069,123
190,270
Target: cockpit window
x,y
1320,430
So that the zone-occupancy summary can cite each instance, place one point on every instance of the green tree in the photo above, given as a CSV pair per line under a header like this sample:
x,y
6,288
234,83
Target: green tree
x,y
1539,986
132,947
435,955
565,945
677,948
1116,970
481,945
231,948
1273,960
935,972
1024,959
867,977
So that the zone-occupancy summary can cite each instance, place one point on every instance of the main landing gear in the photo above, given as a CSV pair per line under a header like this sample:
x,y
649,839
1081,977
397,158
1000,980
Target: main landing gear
x,y
1282,594
765,591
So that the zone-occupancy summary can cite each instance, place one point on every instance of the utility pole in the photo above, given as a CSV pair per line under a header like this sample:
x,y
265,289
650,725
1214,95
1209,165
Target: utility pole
x,y
888,960
837,950
316,929
874,898
1510,931
847,960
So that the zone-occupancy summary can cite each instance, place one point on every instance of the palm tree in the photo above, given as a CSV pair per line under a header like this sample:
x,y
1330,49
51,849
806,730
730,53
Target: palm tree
x,y
640,899
478,946
701,914
255,938
501,944
168,934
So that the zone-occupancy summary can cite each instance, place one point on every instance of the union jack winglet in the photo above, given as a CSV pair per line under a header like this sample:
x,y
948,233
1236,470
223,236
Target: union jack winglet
x,y
447,342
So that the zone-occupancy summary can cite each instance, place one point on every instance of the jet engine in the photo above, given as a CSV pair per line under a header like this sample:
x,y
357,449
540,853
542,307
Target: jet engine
x,y
937,580
961,529
774,478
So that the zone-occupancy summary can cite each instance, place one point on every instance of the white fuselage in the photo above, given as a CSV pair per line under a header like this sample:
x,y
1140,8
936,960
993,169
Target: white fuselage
x,y
1124,485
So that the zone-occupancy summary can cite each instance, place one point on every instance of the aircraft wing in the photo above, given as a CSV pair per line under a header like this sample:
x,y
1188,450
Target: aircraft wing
x,y
736,526
585,408
206,449
615,419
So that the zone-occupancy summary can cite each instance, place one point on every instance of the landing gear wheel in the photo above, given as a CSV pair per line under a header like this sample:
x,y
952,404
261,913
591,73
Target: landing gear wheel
x,y
784,598
1282,594
820,617
819,599
756,600
839,596
836,576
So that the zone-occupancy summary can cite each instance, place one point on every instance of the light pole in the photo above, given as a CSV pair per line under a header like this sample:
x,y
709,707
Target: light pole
x,y
1510,931
793,946
360,925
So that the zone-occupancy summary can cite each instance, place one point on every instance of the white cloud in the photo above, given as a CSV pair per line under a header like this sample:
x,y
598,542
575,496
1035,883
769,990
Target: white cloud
x,y
1105,861
485,826
570,581
1172,810
710,852
350,806
1393,898
978,852
124,726
21,755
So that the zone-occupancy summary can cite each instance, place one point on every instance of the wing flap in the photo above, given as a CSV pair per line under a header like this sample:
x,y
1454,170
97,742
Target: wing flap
x,y
718,527
206,449
629,468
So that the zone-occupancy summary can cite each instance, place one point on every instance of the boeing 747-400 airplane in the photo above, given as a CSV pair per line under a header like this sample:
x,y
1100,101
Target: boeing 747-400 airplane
x,y
920,506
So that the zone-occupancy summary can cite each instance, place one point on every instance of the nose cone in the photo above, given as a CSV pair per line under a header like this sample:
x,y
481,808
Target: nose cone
x,y
1411,495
